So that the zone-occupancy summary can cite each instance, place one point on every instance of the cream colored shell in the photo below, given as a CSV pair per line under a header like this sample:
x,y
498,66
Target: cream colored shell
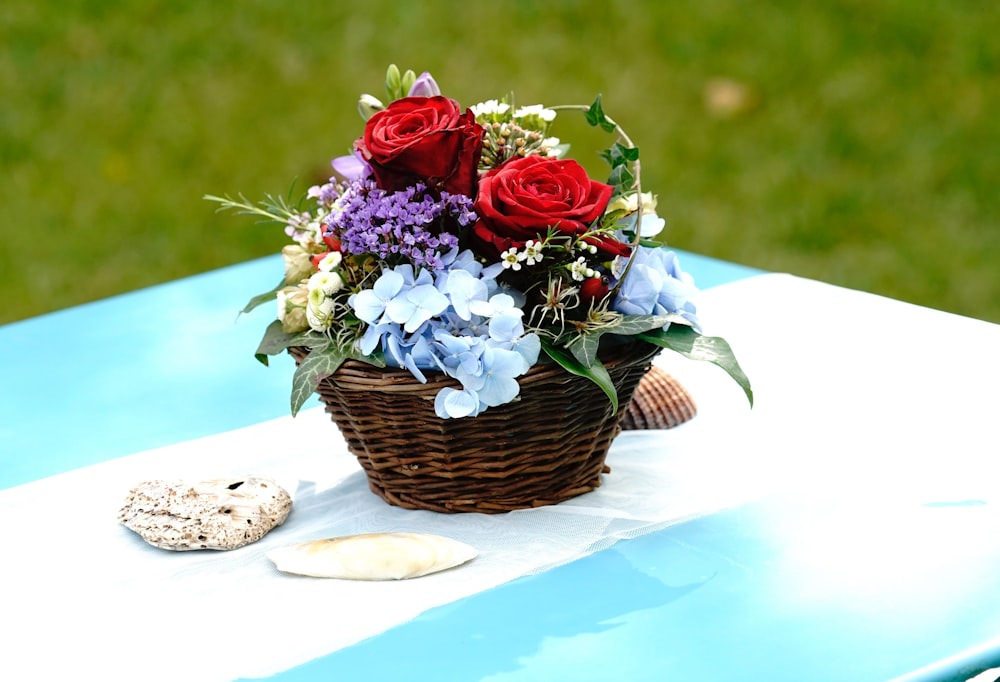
x,y
214,514
372,556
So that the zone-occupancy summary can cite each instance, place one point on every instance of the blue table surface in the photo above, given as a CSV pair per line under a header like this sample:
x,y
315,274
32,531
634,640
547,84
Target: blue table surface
x,y
696,601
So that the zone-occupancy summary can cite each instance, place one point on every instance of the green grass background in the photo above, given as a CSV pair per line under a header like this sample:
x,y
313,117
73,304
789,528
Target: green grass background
x,y
871,157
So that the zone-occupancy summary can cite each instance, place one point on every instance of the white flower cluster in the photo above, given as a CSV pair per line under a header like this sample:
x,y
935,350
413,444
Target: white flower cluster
x,y
511,259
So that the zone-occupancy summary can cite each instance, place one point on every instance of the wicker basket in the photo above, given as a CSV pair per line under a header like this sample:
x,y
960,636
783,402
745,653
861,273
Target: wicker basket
x,y
545,447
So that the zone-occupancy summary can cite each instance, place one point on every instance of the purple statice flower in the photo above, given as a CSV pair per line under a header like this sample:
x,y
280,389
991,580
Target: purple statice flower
x,y
410,225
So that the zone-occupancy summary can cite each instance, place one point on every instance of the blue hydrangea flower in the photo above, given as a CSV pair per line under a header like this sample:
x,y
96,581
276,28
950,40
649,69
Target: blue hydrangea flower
x,y
656,285
497,383
455,320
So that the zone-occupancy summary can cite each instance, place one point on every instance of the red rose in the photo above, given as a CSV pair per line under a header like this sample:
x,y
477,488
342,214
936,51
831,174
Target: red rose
x,y
527,195
423,139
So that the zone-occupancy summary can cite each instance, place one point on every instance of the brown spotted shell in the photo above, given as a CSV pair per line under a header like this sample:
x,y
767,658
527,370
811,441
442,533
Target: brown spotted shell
x,y
659,402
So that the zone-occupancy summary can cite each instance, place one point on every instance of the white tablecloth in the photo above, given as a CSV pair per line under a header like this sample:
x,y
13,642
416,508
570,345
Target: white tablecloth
x,y
857,396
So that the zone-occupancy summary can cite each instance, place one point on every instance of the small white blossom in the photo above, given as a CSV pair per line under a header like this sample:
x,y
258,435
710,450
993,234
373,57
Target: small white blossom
x,y
579,270
547,115
532,252
511,259
490,107
618,266
551,147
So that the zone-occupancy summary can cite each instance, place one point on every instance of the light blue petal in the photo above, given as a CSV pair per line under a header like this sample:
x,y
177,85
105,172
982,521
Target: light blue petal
x,y
506,327
388,285
507,363
503,303
367,305
464,289
426,302
412,365
498,390
400,309
528,346
481,307
499,369
450,403
371,339
639,291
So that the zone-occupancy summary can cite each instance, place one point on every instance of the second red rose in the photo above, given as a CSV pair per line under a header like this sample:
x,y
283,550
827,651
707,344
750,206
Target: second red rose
x,y
526,196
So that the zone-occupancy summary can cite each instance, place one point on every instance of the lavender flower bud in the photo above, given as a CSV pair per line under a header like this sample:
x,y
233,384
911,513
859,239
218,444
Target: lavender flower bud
x,y
425,86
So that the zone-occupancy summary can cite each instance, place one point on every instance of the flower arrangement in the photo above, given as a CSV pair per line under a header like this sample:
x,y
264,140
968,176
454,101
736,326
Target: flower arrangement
x,y
470,243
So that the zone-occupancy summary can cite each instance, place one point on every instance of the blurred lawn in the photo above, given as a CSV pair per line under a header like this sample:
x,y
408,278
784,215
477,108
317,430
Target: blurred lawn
x,y
862,146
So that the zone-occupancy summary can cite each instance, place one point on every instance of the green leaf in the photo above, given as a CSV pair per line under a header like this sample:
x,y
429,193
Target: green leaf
x,y
595,117
620,155
277,340
584,347
622,178
692,345
596,372
632,325
318,364
263,298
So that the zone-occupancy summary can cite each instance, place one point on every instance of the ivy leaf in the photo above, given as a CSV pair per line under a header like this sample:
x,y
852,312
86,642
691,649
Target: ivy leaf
x,y
595,116
584,347
276,340
621,178
596,371
632,325
620,155
692,345
320,363
263,298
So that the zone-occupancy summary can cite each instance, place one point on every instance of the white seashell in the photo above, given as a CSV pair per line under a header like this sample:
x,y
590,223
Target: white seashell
x,y
372,556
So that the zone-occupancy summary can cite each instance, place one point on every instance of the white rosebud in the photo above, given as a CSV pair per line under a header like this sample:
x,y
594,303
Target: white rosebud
x,y
297,264
292,303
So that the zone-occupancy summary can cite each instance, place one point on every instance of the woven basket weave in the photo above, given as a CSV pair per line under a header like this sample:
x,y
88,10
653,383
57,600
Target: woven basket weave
x,y
547,446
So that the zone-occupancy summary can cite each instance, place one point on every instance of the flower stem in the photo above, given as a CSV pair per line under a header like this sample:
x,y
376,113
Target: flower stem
x,y
637,185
